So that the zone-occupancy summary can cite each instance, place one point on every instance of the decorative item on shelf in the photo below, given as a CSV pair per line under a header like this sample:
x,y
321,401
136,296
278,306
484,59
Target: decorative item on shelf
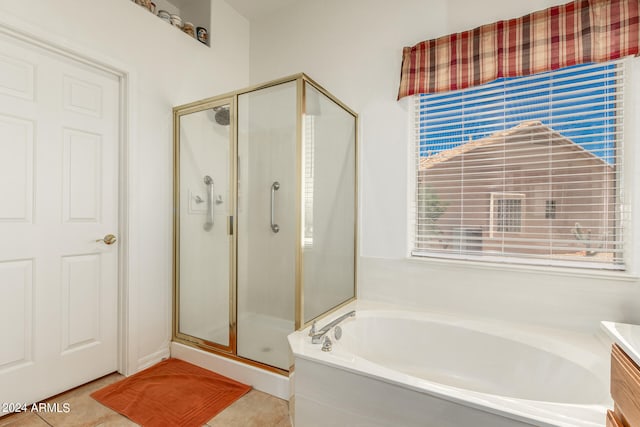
x,y
152,7
176,21
164,15
143,3
189,29
202,35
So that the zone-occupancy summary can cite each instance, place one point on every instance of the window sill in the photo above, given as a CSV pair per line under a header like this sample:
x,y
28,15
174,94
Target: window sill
x,y
621,276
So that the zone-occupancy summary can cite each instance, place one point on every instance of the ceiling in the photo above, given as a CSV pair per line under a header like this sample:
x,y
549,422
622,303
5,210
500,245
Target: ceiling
x,y
255,9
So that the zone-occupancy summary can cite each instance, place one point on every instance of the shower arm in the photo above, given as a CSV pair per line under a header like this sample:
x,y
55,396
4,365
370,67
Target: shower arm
x,y
274,187
209,182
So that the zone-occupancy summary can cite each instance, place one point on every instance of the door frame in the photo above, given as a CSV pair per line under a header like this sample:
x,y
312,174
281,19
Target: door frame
x,y
18,29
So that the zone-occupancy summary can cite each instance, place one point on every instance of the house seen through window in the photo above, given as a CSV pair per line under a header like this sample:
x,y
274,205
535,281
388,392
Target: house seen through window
x,y
523,169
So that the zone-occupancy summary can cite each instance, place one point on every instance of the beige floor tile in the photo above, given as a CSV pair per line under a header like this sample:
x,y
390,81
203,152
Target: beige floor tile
x,y
87,388
82,408
255,409
116,420
83,411
25,419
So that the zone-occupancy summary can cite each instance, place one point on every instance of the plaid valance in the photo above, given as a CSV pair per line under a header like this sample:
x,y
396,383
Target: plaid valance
x,y
574,33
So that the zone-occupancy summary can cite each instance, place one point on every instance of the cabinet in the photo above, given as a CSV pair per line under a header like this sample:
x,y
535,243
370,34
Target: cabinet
x,y
612,420
625,390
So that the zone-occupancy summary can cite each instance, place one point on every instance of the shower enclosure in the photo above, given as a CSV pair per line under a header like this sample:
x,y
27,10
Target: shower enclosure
x,y
265,217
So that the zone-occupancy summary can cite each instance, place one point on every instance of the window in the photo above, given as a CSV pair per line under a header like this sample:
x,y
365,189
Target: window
x,y
550,209
506,213
495,163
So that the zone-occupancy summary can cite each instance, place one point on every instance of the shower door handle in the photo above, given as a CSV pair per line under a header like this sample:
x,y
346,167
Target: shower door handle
x,y
209,224
274,187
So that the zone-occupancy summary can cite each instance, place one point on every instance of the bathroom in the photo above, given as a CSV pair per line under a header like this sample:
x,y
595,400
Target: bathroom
x,y
353,48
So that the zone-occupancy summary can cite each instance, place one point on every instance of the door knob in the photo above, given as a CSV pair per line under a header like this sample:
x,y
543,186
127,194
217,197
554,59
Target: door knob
x,y
109,239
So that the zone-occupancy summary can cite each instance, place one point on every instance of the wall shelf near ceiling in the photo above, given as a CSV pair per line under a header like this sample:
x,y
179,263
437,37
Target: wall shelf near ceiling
x,y
196,12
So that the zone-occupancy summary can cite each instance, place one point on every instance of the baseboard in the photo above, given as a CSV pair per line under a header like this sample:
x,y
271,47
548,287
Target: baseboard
x,y
152,359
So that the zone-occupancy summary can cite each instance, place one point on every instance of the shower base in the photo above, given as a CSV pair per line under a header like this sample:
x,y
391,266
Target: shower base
x,y
269,382
263,339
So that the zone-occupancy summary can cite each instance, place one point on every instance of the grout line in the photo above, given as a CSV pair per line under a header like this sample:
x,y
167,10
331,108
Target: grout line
x,y
46,422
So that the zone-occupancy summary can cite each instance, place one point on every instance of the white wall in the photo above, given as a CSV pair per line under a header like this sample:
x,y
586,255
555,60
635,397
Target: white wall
x,y
353,48
169,69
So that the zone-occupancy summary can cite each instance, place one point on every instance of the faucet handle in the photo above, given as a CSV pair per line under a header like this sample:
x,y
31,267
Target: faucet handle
x,y
312,331
337,333
326,344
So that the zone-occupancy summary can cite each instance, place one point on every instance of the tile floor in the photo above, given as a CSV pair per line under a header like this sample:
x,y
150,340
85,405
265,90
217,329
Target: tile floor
x,y
255,409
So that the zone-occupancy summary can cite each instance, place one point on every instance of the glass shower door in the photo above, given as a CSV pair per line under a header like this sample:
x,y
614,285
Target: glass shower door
x,y
204,245
267,223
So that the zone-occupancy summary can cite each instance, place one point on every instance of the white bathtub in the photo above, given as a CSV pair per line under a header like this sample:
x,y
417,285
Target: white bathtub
x,y
400,368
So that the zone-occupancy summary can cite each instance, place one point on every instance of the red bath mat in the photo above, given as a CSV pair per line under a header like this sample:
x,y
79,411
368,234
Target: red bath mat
x,y
171,393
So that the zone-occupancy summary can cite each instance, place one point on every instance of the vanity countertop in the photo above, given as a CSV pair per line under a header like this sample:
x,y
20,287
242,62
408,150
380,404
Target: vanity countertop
x,y
627,336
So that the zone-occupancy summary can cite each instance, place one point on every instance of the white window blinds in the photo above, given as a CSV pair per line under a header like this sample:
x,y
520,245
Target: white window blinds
x,y
525,169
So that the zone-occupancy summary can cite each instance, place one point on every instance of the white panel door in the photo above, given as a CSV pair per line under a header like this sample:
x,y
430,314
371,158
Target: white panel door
x,y
59,138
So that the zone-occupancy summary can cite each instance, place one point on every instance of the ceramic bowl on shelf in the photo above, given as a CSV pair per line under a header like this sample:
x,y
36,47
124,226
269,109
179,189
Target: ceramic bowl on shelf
x,y
189,29
176,21
165,16
202,35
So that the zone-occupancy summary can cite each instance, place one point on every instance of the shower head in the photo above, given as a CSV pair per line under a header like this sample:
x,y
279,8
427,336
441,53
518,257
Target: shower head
x,y
222,115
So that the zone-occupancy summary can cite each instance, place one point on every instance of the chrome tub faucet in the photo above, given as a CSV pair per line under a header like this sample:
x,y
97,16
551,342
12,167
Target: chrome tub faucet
x,y
316,336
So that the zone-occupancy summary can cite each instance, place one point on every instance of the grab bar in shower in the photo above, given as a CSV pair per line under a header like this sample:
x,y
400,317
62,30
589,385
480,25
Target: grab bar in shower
x,y
274,187
209,182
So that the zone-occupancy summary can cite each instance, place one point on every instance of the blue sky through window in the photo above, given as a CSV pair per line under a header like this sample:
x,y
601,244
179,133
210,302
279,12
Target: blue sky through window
x,y
578,102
